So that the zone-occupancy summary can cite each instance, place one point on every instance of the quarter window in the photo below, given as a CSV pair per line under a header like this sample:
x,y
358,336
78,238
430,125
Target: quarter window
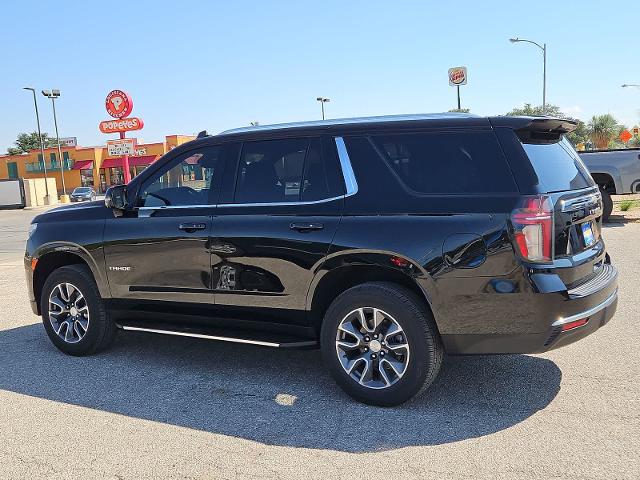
x,y
448,163
187,182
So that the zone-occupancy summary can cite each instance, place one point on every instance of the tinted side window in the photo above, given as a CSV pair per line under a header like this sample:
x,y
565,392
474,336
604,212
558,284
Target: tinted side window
x,y
187,182
558,166
322,172
287,170
448,163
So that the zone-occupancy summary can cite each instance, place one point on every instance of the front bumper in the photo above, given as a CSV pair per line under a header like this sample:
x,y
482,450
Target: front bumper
x,y
29,278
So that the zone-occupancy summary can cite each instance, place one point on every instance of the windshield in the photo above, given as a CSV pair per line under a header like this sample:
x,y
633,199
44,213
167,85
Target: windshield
x,y
82,190
558,166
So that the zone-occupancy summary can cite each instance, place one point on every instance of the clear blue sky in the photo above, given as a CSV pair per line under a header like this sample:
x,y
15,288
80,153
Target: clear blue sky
x,y
193,65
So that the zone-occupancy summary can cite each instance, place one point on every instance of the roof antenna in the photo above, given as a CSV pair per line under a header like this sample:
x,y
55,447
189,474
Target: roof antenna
x,y
202,134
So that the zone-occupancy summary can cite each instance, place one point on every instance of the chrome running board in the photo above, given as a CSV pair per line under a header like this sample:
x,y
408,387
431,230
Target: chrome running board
x,y
221,338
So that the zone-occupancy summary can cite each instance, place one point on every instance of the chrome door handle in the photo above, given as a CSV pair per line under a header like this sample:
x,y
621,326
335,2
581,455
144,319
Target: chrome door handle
x,y
192,227
306,227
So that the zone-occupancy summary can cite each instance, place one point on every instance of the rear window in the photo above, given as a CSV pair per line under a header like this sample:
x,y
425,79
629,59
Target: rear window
x,y
448,163
558,166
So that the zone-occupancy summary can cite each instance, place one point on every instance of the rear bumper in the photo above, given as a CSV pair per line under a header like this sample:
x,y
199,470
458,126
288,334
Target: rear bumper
x,y
554,337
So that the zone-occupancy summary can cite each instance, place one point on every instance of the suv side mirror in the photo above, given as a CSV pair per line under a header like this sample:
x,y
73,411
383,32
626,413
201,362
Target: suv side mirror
x,y
116,197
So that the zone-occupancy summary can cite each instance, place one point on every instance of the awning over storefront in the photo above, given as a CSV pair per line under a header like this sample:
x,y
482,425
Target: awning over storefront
x,y
133,161
82,164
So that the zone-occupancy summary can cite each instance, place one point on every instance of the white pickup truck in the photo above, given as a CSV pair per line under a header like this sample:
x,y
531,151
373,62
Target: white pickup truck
x,y
615,171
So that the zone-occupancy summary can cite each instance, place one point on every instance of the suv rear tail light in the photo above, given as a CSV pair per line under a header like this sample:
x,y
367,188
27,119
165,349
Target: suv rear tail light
x,y
533,228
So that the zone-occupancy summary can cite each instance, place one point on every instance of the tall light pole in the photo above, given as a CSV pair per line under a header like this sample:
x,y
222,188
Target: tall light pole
x,y
322,101
542,47
53,94
47,199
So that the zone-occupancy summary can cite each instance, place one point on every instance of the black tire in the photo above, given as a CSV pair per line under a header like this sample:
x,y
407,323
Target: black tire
x,y
101,330
607,205
415,318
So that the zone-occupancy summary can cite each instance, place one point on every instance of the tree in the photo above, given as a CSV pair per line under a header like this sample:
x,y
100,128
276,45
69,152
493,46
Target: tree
x,y
602,130
30,141
528,110
580,135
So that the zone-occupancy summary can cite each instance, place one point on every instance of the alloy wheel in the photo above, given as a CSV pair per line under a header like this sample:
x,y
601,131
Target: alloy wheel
x,y
68,312
372,347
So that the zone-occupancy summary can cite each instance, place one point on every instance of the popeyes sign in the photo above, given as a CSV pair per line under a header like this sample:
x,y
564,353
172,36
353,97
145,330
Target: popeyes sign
x,y
119,104
121,125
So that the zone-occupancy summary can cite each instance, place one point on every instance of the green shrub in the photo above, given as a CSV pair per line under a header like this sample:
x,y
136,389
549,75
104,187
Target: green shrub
x,y
626,205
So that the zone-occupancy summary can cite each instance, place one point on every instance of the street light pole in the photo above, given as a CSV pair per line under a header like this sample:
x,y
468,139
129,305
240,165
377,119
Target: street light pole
x,y
53,94
542,47
322,101
47,199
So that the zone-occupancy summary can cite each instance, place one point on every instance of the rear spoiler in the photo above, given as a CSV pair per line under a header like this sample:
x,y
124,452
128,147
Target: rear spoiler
x,y
540,130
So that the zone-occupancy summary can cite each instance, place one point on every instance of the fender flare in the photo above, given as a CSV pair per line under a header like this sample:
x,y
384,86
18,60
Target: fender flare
x,y
82,253
413,271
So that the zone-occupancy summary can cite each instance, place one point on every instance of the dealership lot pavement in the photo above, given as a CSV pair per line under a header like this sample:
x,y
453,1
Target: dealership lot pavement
x,y
155,407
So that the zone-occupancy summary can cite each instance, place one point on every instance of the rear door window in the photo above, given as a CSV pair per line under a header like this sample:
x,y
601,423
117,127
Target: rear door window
x,y
448,163
288,170
558,166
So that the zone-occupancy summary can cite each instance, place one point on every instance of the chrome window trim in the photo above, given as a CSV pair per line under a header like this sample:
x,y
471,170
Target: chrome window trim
x,y
587,313
281,204
347,170
264,204
347,173
175,207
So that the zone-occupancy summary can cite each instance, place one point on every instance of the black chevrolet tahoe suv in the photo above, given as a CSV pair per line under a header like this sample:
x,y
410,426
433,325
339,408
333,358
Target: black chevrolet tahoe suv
x,y
385,241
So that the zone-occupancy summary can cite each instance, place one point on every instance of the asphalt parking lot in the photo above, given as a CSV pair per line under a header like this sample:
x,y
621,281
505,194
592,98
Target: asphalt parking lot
x,y
160,407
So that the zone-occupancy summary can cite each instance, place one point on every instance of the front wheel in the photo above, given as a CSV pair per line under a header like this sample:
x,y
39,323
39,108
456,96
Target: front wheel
x,y
380,343
73,313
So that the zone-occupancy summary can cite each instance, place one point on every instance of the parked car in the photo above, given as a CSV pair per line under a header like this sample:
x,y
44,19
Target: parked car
x,y
386,242
83,194
615,171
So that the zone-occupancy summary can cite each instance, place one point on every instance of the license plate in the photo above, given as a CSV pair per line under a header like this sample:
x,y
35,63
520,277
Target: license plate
x,y
587,234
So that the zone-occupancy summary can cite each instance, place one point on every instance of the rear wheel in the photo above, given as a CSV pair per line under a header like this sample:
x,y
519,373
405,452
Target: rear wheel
x,y
73,313
380,343
607,204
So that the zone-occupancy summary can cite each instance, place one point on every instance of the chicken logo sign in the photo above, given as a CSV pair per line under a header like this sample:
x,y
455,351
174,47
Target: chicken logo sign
x,y
119,104
457,76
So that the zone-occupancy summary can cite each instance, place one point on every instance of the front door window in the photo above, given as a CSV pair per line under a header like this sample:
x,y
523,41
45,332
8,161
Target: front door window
x,y
187,182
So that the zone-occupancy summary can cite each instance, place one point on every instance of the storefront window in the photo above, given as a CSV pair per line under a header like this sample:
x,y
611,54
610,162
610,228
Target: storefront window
x,y
103,181
116,176
86,177
140,168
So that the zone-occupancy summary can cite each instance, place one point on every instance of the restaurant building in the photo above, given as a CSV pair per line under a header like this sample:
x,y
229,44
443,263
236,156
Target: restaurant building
x,y
85,166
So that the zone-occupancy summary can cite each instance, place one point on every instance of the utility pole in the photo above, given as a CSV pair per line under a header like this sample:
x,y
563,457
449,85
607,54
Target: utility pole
x,y
47,198
542,47
322,101
53,94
